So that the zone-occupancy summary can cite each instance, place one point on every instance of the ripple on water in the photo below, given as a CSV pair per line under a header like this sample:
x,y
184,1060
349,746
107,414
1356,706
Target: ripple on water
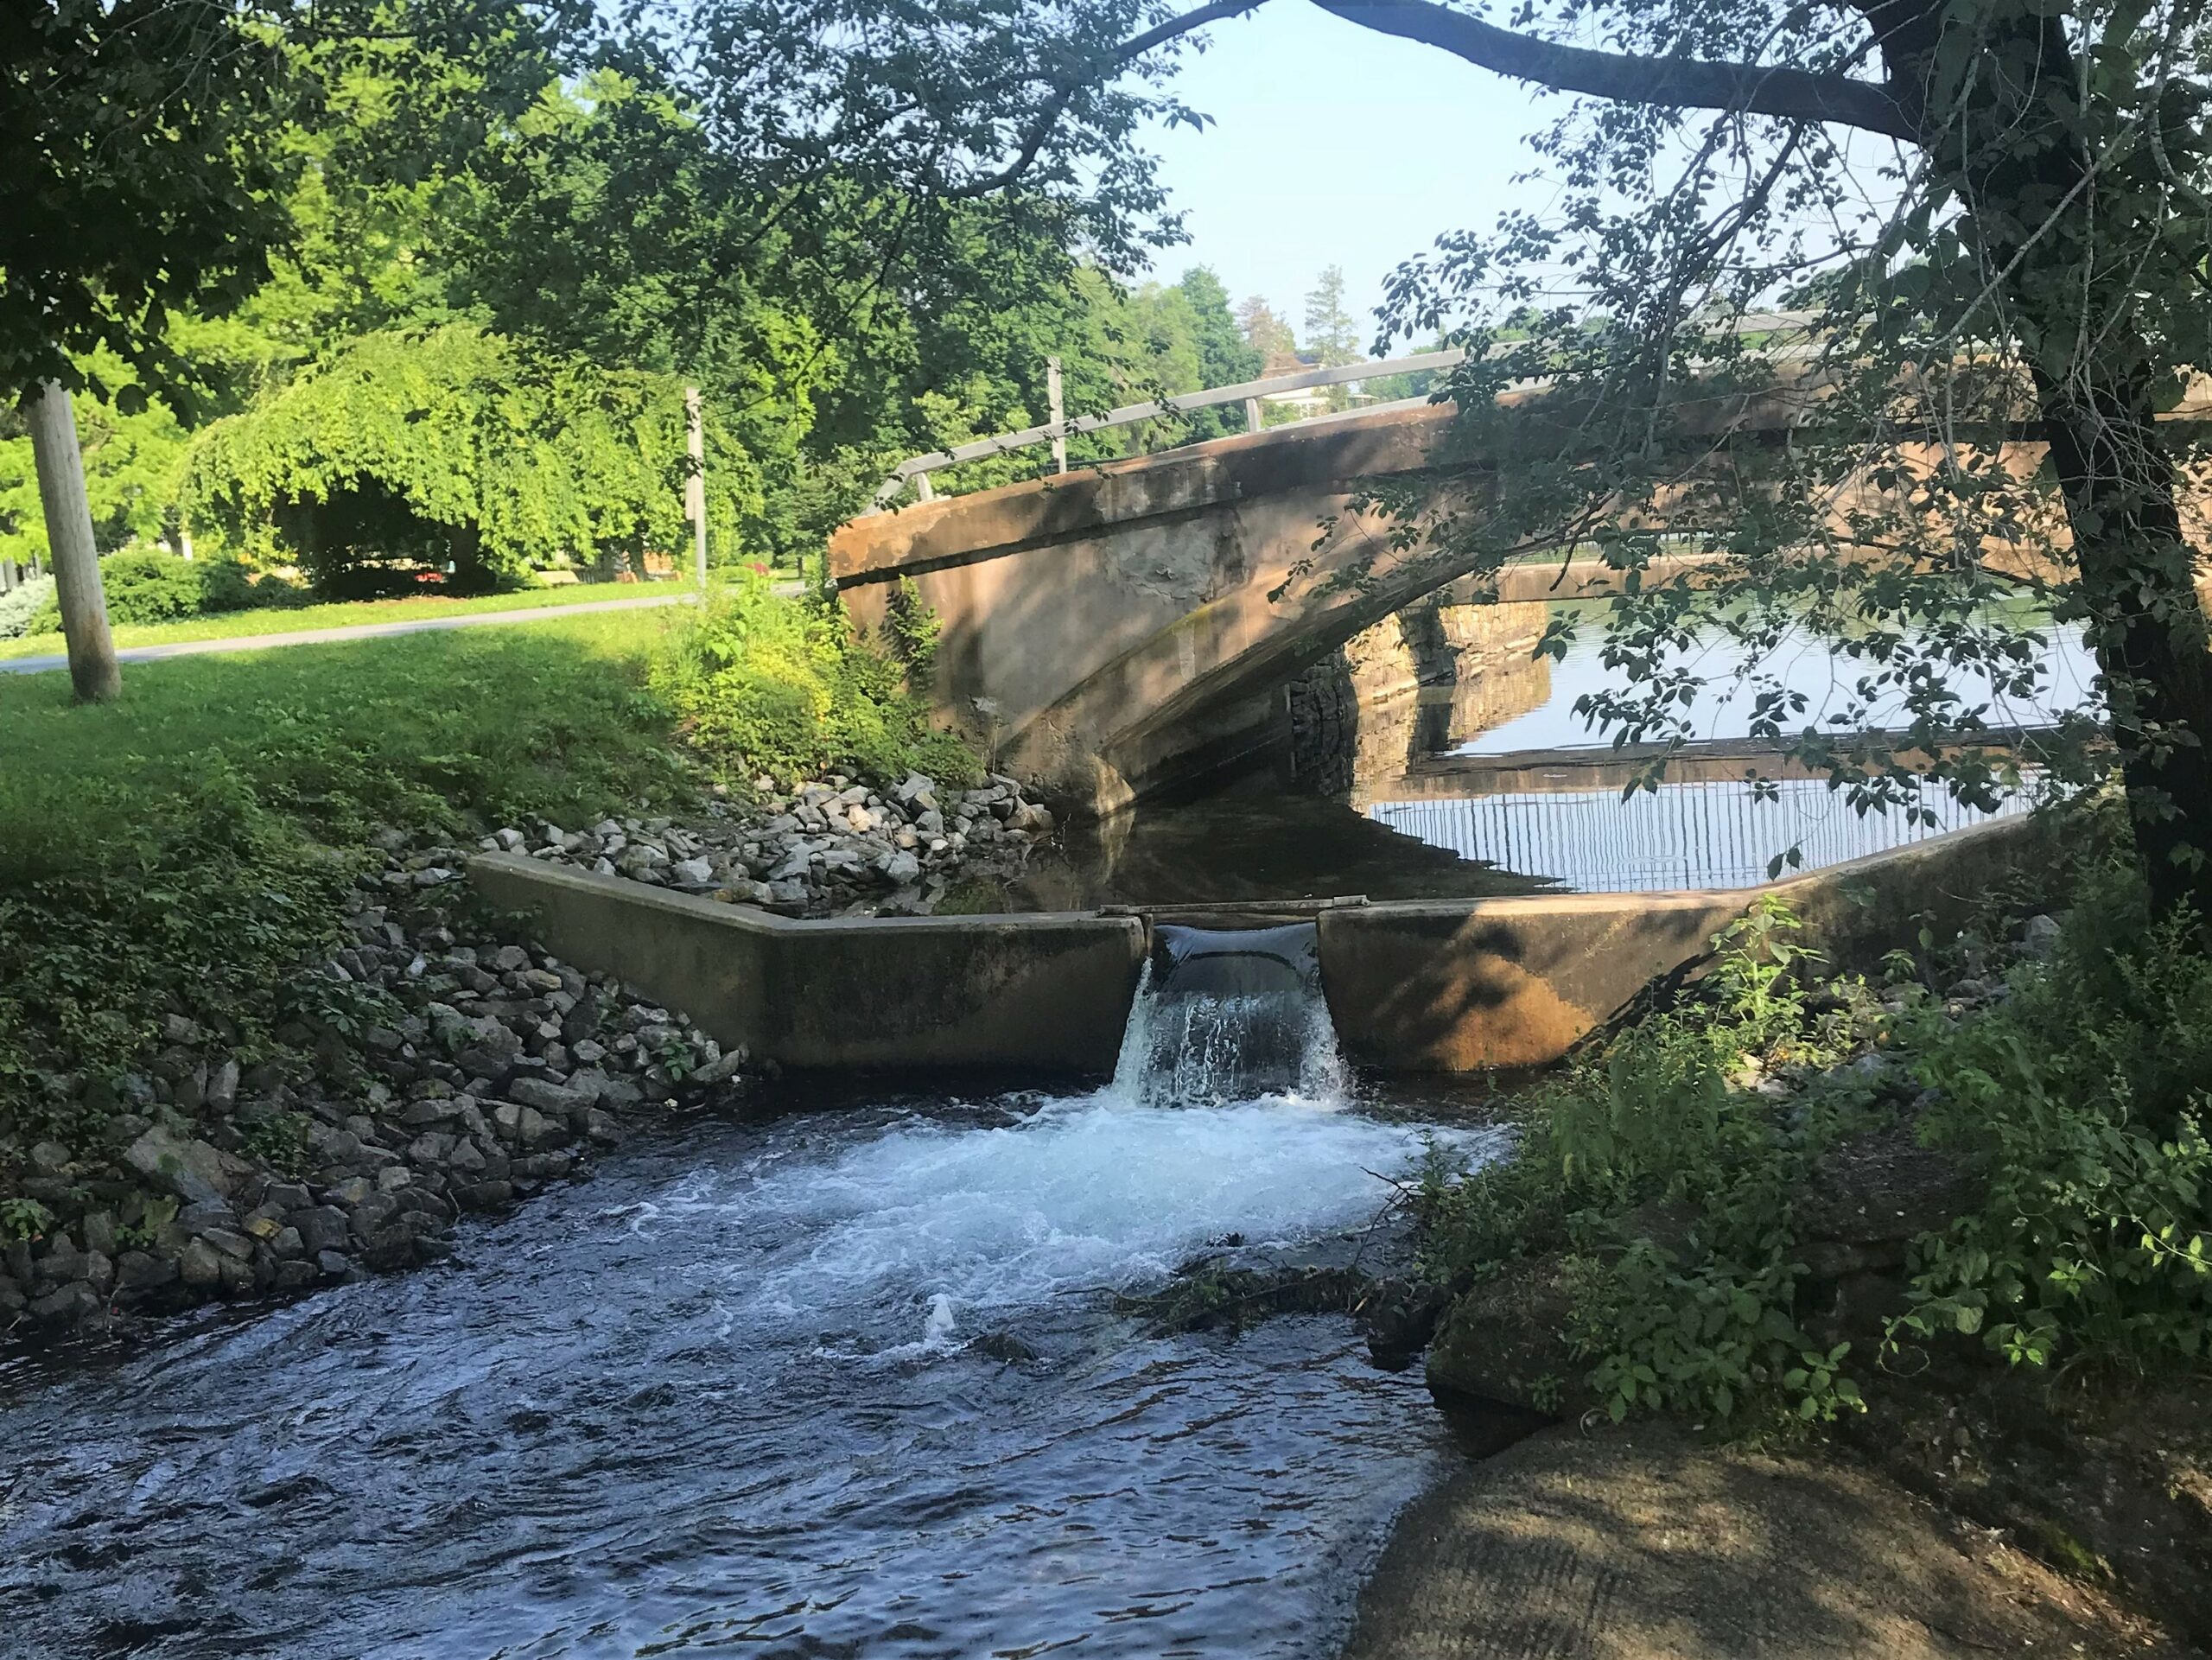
x,y
721,1396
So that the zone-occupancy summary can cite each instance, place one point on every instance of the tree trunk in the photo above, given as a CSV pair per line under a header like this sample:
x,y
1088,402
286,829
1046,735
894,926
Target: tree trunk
x,y
2023,168
2138,582
93,667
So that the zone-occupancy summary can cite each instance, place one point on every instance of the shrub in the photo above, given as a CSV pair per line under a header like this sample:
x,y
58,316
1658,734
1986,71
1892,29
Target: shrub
x,y
2085,1097
767,684
21,606
1705,1324
149,587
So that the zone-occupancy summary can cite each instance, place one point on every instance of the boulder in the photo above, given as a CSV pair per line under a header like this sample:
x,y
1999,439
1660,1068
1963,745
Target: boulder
x,y
194,1172
1506,1340
200,1266
560,1100
141,1270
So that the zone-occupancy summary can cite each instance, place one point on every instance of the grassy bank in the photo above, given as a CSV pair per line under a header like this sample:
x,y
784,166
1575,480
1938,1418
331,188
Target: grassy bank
x,y
179,852
314,619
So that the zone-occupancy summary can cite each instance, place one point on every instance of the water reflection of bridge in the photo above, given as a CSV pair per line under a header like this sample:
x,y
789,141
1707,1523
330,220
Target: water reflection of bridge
x,y
1564,817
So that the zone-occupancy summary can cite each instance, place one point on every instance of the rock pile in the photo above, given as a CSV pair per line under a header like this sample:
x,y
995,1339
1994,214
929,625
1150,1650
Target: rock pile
x,y
443,1073
828,849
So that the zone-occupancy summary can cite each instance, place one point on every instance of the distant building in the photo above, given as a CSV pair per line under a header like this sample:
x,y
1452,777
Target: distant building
x,y
1306,400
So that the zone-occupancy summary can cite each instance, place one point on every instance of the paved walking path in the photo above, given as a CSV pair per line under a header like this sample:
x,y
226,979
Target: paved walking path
x,y
359,630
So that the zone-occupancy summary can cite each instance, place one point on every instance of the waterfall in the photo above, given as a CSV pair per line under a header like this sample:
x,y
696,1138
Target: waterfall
x,y
1230,1014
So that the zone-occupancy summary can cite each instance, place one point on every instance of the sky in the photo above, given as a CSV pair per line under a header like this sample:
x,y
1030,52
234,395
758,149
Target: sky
x,y
1334,144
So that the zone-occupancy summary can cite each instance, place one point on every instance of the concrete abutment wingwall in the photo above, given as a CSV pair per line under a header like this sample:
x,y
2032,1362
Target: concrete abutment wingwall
x,y
1431,986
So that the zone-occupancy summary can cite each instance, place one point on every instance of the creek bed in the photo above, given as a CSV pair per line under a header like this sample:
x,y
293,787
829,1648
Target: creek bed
x,y
728,1395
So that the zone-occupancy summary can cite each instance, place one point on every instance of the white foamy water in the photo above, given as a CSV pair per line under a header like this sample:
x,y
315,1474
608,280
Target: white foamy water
x,y
1087,1193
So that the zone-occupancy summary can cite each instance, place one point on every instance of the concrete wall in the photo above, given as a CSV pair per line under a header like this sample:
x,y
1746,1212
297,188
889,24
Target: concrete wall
x,y
1506,983
1455,986
1044,993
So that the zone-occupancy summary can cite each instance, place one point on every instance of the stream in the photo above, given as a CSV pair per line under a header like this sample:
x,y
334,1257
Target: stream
x,y
749,1389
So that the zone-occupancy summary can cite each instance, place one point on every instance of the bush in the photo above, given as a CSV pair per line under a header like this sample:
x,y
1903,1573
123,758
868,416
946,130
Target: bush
x,y
2085,1096
151,588
1659,1121
21,606
767,685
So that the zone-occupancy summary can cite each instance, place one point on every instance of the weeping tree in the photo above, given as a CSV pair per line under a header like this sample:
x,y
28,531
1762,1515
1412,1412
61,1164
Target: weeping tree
x,y
1986,221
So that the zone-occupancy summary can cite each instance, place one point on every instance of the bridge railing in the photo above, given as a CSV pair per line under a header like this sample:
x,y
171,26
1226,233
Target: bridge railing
x,y
917,469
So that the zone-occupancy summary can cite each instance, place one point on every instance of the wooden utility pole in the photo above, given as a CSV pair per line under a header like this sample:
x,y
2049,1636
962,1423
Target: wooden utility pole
x,y
76,561
1058,414
695,482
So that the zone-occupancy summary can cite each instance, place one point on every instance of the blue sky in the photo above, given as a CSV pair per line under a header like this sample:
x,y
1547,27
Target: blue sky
x,y
1335,145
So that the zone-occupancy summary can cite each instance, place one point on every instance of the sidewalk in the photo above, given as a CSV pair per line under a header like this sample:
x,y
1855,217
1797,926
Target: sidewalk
x,y
363,630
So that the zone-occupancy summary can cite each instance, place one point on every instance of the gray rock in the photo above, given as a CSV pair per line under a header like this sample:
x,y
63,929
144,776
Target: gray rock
x,y
49,1158
334,1264
140,1270
68,1305
903,868
200,1266
692,873
720,1070
1507,1340
236,1246
222,1093
98,1229
192,1170
2039,936
561,1100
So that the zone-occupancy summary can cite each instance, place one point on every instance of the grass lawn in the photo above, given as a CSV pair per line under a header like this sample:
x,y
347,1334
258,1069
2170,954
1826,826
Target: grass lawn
x,y
234,624
185,847
419,729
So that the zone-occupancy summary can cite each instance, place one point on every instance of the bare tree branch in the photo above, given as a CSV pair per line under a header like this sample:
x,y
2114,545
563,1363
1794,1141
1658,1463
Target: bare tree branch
x,y
1629,78
1106,69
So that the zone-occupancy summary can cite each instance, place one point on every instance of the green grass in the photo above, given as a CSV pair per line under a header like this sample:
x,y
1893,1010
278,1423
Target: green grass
x,y
238,624
426,730
185,847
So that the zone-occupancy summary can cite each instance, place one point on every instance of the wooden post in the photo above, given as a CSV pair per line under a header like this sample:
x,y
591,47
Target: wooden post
x,y
694,481
92,668
1255,417
1058,414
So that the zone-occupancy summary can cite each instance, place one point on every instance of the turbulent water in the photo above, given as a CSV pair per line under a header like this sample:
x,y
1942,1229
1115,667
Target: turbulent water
x,y
741,1392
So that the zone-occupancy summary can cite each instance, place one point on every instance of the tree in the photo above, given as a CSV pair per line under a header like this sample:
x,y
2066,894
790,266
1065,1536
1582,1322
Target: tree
x,y
1267,335
1330,333
93,670
1226,354
2027,264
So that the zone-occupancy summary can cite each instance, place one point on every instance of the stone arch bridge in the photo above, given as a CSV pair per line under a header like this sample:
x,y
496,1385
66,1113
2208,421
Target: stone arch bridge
x,y
1109,630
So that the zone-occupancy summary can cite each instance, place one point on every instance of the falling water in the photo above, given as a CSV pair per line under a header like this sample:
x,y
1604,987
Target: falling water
x,y
1225,1015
